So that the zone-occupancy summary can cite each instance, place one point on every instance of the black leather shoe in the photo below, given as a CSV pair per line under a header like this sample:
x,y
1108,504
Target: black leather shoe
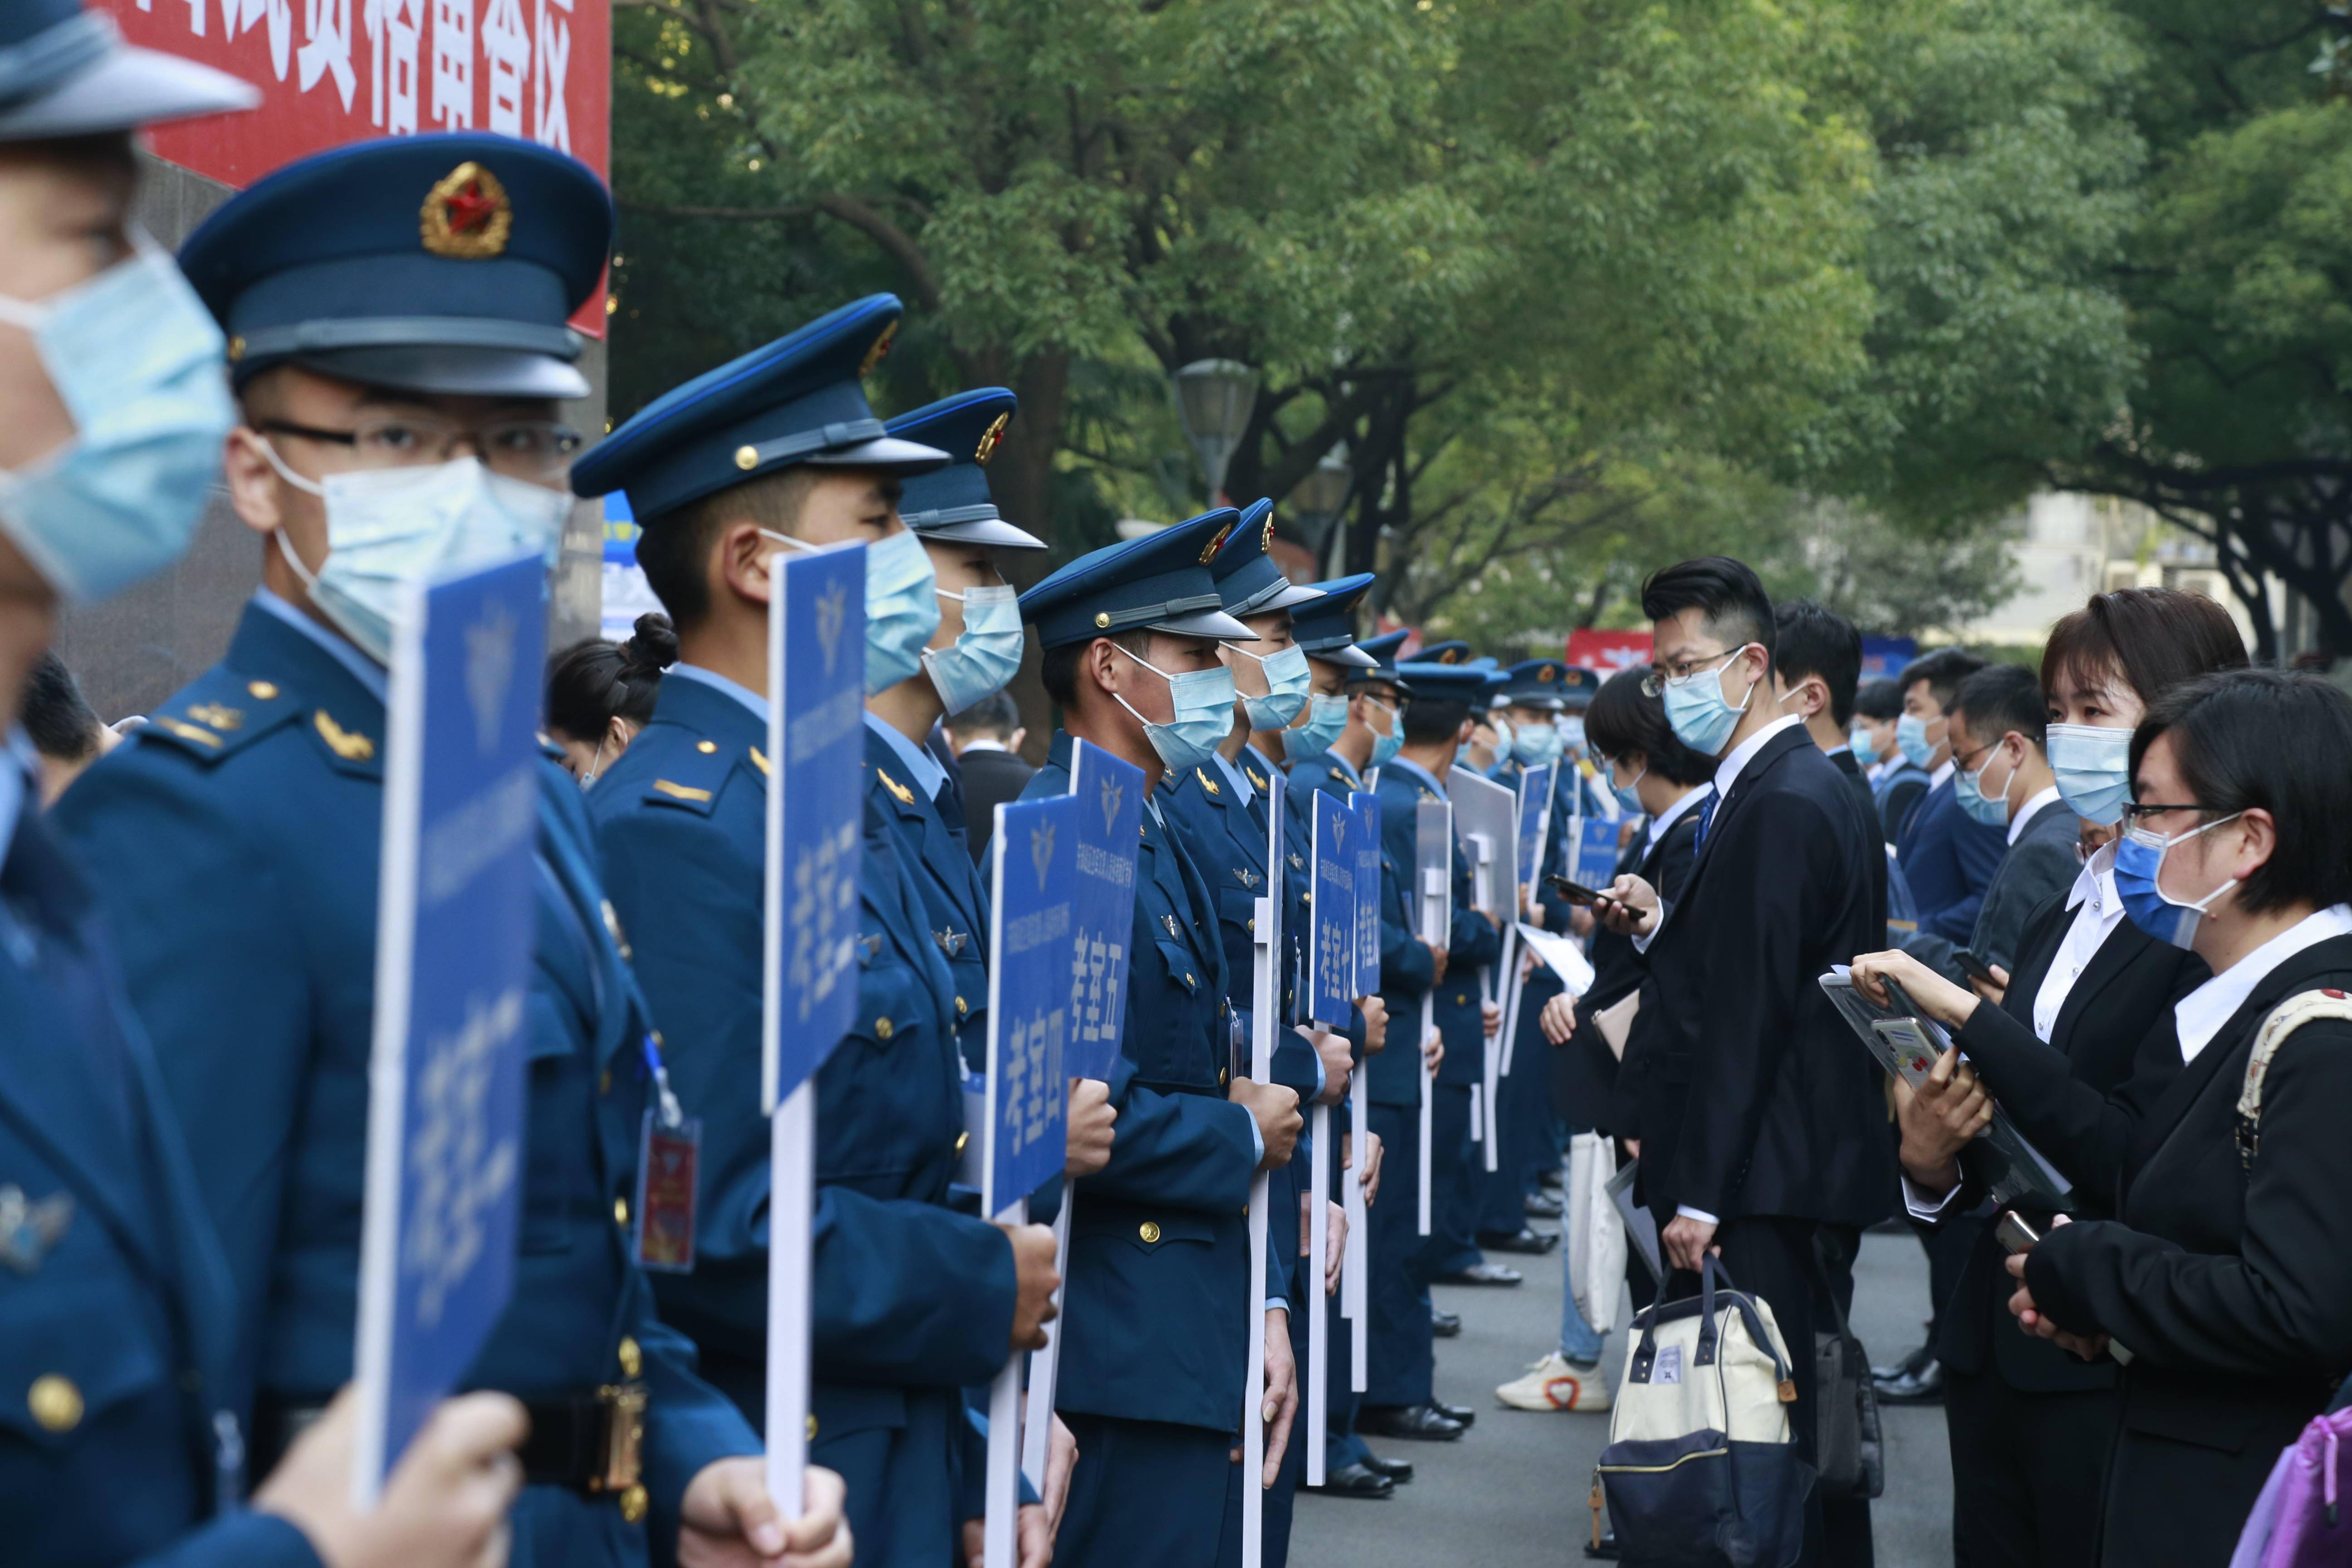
x,y
1911,1364
1606,1550
1414,1423
1543,1205
1444,1325
1925,1386
1460,1413
1527,1239
1551,1176
1482,1274
1354,1480
1398,1470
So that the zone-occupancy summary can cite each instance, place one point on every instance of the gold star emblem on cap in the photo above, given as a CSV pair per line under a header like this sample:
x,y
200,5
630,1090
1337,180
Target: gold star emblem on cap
x,y
881,347
1209,553
991,439
467,214
1545,673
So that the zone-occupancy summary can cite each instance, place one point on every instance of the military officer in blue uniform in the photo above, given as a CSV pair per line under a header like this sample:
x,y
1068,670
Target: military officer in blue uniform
x,y
1155,1331
396,319
119,1442
913,1301
1367,727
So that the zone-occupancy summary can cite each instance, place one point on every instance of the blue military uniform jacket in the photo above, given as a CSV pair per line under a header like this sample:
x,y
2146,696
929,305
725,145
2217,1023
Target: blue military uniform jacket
x,y
1474,942
235,839
1393,1077
1159,1270
910,1300
953,892
115,1445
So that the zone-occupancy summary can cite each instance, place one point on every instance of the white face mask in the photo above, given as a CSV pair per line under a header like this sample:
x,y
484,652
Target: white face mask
x,y
390,530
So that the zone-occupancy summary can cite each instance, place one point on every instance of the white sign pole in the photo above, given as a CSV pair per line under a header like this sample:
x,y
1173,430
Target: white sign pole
x,y
792,1144
1044,1365
1318,1319
999,1547
1264,1001
1355,1290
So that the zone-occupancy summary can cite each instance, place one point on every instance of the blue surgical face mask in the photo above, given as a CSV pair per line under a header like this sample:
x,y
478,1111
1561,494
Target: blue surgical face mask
x,y
1385,747
1702,718
1866,749
1992,810
136,359
391,530
2093,762
986,655
1538,746
902,605
2140,864
1571,731
1628,794
1204,705
1289,682
1327,716
1911,740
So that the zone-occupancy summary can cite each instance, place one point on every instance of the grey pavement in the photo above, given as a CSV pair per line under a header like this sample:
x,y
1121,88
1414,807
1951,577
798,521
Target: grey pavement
x,y
1513,1492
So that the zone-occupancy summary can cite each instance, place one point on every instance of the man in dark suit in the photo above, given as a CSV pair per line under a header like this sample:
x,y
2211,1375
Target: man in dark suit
x,y
1763,1128
1816,670
987,738
2004,779
1947,860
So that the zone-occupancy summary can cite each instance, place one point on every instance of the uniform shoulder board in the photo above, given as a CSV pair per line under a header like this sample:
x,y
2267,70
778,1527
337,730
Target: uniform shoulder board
x,y
221,712
690,775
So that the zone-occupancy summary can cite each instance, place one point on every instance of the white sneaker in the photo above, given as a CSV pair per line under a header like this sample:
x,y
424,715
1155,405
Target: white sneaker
x,y
1556,1383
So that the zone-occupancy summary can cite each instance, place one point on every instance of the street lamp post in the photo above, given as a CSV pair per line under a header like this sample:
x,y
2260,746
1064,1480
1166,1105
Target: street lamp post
x,y
1317,499
1214,398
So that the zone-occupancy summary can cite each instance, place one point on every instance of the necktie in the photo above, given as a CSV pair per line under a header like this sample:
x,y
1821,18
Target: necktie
x,y
1705,815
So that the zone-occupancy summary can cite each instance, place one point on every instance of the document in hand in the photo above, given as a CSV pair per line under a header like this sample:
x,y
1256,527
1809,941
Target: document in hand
x,y
1561,956
1641,1224
1906,1043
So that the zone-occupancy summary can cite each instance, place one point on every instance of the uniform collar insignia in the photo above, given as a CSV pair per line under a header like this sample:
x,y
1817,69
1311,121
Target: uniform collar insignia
x,y
898,791
29,1229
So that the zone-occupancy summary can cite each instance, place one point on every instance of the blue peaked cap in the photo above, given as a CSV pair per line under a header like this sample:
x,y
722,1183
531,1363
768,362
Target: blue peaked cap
x,y
954,502
799,400
1547,683
1160,581
437,264
1454,652
65,71
1248,578
1446,682
1326,629
1382,651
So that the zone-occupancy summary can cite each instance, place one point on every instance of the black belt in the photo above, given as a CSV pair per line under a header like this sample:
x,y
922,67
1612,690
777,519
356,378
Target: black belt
x,y
589,1441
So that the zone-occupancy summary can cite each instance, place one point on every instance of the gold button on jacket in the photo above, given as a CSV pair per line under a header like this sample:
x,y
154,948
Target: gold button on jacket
x,y
55,1402
1149,1230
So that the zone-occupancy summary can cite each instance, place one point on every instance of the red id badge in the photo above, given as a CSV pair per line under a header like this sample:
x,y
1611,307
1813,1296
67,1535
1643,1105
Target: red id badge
x,y
669,1159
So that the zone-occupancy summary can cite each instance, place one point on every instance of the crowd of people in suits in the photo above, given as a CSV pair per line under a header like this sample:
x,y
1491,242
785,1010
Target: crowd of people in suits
x,y
2121,883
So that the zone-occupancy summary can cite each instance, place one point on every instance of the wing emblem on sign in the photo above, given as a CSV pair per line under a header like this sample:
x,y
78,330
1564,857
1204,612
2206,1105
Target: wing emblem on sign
x,y
1041,850
832,610
1112,792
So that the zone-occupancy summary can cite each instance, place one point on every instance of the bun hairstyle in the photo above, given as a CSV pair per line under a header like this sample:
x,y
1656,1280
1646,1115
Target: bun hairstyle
x,y
592,683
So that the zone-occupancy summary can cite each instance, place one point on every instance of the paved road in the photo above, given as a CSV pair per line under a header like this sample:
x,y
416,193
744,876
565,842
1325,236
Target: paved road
x,y
1512,1493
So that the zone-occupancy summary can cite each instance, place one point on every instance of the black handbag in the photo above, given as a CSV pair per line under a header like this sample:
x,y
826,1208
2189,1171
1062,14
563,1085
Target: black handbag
x,y
1847,1450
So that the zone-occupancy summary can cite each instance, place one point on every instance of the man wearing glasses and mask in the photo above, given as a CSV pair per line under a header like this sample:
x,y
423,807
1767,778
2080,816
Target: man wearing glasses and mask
x,y
394,315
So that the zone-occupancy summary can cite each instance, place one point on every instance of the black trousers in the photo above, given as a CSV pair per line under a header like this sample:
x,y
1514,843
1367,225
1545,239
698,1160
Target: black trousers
x,y
2029,1471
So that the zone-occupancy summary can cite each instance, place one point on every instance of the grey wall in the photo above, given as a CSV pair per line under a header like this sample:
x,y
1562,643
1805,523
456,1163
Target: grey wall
x,y
136,649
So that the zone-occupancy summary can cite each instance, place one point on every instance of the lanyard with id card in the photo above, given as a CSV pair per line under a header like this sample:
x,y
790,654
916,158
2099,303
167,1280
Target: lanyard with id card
x,y
669,1156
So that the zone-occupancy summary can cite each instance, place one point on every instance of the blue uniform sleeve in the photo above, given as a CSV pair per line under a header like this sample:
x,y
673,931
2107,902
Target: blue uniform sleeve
x,y
1187,1151
688,1424
1979,850
239,1540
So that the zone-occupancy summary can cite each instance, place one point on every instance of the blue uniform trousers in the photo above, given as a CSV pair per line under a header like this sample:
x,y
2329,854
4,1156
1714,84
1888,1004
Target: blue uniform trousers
x,y
1135,1495
1400,1360
1450,1248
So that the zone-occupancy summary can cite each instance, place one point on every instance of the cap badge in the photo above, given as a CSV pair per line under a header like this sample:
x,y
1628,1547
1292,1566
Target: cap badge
x,y
881,347
1545,673
991,439
1209,552
467,214
1451,656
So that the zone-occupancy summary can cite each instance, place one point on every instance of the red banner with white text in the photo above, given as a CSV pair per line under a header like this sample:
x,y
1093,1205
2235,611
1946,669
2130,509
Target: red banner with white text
x,y
332,71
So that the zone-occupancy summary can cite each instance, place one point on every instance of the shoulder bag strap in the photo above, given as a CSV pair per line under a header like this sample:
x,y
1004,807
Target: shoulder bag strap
x,y
2285,1019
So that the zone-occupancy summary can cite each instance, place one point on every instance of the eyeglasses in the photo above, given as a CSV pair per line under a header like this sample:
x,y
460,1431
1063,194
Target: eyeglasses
x,y
1655,683
2136,810
1967,761
537,449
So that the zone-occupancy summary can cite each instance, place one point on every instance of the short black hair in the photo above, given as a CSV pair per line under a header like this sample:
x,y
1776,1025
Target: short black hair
x,y
2001,698
1722,590
2249,738
1943,670
1623,718
1058,669
2151,639
1881,700
57,715
1429,720
1814,640
594,682
674,549
995,714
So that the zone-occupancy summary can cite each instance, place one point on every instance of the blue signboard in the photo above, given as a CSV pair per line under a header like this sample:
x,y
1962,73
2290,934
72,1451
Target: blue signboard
x,y
1036,871
1883,659
1596,851
1331,980
816,745
1535,809
1110,838
454,937
1365,807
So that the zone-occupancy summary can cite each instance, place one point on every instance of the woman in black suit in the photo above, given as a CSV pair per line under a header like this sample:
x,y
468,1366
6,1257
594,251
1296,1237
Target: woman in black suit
x,y
2029,1425
2224,1285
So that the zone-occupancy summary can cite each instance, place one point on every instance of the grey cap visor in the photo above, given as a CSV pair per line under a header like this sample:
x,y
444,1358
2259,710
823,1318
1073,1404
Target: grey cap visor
x,y
449,369
1347,656
126,88
1202,624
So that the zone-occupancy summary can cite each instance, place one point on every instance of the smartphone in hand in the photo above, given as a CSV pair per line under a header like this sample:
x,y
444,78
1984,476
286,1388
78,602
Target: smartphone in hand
x,y
1974,967
1575,892
2013,1234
